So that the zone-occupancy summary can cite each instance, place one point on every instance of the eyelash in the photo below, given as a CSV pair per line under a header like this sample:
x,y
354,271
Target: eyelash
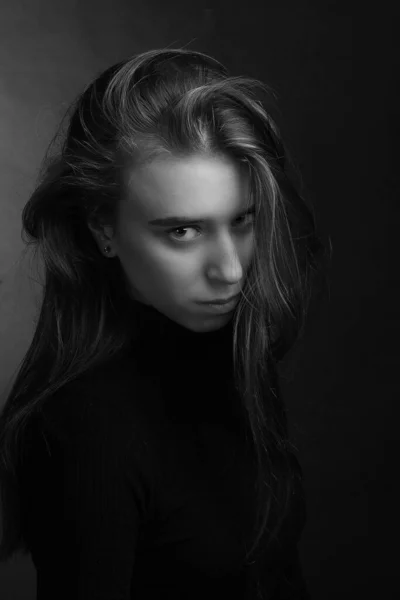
x,y
169,231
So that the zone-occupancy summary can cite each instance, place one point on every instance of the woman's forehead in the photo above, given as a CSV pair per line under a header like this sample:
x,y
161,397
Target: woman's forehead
x,y
193,187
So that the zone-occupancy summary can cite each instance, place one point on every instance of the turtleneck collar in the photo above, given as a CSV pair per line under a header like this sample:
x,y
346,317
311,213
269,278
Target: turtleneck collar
x,y
187,362
155,331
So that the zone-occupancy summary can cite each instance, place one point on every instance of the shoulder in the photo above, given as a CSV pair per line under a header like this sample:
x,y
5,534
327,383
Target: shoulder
x,y
111,404
87,449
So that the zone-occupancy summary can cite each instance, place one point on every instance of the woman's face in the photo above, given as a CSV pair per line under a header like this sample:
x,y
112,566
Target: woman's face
x,y
174,266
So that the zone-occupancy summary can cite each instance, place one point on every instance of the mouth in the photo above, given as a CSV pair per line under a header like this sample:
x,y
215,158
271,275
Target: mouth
x,y
221,307
223,302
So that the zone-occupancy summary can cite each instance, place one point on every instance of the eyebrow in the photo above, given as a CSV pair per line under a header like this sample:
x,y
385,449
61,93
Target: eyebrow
x,y
188,220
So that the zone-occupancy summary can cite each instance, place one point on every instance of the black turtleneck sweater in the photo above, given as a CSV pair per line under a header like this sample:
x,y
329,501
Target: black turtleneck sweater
x,y
138,484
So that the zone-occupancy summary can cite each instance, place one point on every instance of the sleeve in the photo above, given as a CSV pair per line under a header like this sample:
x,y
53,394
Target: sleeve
x,y
88,497
293,585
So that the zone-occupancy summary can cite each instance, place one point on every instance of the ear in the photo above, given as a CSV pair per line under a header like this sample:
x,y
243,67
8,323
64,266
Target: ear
x,y
103,236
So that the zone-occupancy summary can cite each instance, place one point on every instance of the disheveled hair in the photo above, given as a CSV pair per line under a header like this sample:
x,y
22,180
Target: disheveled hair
x,y
177,103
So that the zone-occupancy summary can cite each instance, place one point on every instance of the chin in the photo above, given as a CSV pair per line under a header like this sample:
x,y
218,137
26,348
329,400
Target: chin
x,y
207,324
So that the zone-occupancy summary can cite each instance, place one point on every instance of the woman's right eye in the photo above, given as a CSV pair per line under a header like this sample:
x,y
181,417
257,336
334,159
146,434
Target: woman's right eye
x,y
248,222
171,231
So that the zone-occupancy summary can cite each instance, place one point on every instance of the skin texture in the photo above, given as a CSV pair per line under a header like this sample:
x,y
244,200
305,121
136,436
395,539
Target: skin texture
x,y
196,262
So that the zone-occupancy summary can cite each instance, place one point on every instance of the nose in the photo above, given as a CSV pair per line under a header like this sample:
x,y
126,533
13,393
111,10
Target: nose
x,y
225,264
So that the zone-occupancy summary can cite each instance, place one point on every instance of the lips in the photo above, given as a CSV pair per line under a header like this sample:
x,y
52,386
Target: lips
x,y
231,299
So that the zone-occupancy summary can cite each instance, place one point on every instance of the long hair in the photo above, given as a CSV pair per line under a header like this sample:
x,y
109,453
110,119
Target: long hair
x,y
172,102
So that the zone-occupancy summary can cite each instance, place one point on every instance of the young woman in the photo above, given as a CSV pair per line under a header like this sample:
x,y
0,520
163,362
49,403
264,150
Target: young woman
x,y
144,444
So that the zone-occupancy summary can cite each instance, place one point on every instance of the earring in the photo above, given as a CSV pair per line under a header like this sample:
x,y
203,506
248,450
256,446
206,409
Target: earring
x,y
107,249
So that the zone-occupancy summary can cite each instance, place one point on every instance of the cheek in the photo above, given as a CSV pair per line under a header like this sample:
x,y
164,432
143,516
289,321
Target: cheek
x,y
173,269
152,264
248,251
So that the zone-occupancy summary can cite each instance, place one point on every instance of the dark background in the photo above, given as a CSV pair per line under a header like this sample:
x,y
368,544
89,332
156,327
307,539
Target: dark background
x,y
335,68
